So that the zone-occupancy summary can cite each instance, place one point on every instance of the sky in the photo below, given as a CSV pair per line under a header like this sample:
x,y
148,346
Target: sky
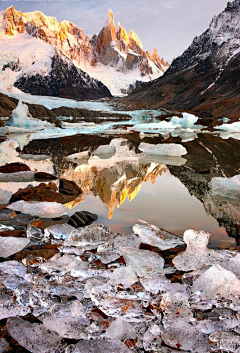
x,y
168,25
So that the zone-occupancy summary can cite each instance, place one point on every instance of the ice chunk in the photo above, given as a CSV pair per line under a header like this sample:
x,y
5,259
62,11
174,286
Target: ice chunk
x,y
59,231
143,262
13,268
217,281
17,177
8,152
233,265
186,122
226,187
93,234
41,209
105,151
11,245
167,149
67,319
21,118
175,306
4,345
5,196
197,254
127,308
226,341
98,346
120,329
10,308
153,283
152,235
124,275
34,337
233,127
181,334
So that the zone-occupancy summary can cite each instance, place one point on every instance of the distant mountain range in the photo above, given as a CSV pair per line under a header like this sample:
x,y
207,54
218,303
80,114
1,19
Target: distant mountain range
x,y
205,79
42,56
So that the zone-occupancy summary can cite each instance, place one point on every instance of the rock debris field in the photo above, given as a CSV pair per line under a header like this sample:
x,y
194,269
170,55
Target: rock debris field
x,y
69,284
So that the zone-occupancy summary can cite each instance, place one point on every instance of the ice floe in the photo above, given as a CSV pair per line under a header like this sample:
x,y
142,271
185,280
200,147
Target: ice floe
x,y
168,149
41,209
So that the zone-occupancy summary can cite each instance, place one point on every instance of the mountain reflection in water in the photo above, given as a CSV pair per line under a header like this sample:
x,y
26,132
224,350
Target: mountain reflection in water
x,y
174,197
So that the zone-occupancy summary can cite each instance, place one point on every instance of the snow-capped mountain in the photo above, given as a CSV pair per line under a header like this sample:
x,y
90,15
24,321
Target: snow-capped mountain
x,y
205,79
30,43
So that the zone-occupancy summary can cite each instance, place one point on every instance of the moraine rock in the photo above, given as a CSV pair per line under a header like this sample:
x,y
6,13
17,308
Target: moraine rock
x,y
14,167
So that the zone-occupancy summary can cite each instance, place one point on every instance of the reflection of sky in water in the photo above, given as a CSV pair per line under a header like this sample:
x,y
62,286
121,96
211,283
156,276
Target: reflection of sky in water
x,y
166,204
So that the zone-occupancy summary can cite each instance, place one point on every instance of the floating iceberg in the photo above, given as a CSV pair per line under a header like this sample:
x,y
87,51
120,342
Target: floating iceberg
x,y
152,235
41,209
168,149
233,127
21,118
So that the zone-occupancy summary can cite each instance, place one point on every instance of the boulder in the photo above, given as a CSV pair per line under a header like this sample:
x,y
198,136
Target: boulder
x,y
14,167
68,187
42,176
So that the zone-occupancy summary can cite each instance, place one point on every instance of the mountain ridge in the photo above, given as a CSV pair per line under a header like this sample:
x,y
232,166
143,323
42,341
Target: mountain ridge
x,y
113,57
205,79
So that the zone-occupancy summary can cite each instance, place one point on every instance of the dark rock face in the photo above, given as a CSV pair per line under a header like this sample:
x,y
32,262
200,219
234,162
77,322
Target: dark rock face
x,y
14,167
82,219
64,80
42,176
205,79
68,187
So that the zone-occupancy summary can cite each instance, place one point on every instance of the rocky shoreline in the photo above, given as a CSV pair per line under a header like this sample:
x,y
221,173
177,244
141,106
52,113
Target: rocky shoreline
x,y
69,284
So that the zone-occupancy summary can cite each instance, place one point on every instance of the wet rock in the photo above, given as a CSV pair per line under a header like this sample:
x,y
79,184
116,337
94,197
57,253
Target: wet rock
x,y
82,219
152,235
34,337
43,253
5,196
11,245
18,221
14,167
17,177
42,192
68,187
13,233
42,176
41,209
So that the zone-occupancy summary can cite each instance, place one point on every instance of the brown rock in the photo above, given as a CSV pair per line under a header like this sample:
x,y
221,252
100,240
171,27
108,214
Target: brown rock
x,y
68,187
41,176
13,233
44,253
42,192
14,167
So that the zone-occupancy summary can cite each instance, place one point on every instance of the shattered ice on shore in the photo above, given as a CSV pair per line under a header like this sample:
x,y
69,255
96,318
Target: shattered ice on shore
x,y
101,291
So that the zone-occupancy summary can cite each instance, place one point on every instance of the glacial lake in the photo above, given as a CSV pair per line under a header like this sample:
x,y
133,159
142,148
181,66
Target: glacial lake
x,y
173,194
